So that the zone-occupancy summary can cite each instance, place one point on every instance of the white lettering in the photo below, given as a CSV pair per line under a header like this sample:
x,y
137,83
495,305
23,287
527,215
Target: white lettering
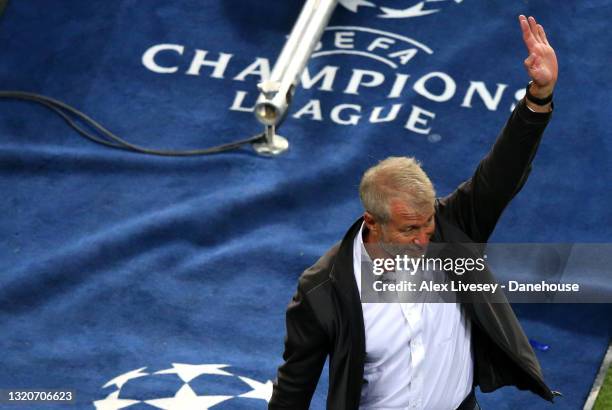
x,y
375,117
404,55
219,65
261,67
398,85
449,87
416,119
352,119
328,74
381,42
313,108
148,58
344,39
479,87
357,77
238,101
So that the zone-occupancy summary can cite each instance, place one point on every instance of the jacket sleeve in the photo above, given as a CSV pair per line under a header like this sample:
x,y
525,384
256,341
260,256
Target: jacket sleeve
x,y
477,203
306,348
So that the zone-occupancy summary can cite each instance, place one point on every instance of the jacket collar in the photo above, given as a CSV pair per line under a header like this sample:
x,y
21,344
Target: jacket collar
x,y
341,271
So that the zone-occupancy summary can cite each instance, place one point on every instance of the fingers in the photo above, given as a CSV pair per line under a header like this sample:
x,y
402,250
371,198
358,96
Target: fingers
x,y
542,34
533,26
525,27
532,30
528,36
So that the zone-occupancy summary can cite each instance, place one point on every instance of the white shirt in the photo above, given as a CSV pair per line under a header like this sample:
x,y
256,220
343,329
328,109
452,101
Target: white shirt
x,y
418,355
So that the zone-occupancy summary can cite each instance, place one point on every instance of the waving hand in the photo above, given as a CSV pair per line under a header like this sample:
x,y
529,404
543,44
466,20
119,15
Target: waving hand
x,y
541,65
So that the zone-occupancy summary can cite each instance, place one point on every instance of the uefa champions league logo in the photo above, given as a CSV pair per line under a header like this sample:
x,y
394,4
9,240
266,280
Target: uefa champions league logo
x,y
392,73
422,8
191,386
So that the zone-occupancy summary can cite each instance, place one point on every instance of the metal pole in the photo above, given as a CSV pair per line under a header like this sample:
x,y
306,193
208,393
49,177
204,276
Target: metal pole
x,y
277,92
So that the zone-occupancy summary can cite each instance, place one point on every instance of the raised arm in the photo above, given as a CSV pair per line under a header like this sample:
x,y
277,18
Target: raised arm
x,y
477,204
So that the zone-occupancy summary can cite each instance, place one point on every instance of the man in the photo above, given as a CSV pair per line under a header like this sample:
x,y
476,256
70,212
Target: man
x,y
419,356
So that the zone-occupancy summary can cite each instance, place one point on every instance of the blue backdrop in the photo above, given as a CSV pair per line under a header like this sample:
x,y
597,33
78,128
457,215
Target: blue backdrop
x,y
180,269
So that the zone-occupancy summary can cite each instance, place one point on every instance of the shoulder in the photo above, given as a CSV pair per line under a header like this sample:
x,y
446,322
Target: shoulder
x,y
318,274
449,226
336,262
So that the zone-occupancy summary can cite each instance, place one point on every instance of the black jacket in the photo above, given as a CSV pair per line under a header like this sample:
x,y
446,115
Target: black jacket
x,y
325,317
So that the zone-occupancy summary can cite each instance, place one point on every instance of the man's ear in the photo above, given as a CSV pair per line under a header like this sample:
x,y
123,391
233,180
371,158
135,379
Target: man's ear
x,y
370,222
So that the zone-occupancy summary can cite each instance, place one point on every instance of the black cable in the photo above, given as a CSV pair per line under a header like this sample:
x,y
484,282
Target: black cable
x,y
65,111
74,125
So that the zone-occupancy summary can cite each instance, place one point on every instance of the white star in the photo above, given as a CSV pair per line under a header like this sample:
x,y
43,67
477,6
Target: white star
x,y
415,11
186,399
119,381
261,391
188,372
113,402
353,5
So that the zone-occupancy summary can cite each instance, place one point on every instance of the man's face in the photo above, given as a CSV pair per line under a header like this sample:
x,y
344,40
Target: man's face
x,y
408,226
405,227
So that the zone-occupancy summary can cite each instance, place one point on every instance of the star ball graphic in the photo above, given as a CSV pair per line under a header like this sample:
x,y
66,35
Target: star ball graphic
x,y
421,8
184,387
